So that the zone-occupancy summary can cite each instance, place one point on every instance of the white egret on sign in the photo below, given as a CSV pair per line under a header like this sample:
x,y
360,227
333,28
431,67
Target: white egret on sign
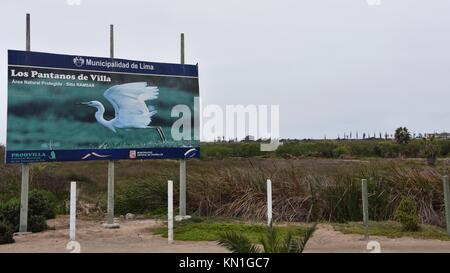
x,y
130,108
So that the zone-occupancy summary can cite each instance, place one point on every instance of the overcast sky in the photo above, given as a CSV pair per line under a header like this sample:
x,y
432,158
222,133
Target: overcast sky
x,y
332,66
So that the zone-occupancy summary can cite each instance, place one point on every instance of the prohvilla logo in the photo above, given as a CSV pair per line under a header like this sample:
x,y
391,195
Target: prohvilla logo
x,y
29,155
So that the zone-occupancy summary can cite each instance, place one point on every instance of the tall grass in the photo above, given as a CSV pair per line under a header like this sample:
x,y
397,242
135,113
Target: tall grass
x,y
303,189
314,193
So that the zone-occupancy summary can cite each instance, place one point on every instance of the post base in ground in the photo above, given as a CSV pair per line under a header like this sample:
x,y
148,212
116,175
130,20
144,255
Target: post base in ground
x,y
179,218
22,233
110,226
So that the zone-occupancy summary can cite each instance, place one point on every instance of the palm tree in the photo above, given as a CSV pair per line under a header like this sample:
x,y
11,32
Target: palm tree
x,y
402,135
271,243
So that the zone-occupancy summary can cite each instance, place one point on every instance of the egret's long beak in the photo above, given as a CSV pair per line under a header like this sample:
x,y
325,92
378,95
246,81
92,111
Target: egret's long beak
x,y
85,103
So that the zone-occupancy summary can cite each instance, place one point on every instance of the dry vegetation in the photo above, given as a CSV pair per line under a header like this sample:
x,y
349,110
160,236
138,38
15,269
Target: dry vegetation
x,y
303,189
312,190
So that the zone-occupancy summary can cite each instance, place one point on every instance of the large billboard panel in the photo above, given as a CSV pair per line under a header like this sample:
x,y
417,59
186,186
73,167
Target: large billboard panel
x,y
76,108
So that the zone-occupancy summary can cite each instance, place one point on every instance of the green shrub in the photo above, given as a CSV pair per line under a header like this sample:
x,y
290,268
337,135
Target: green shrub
x,y
406,214
10,212
340,151
142,197
6,233
327,148
430,150
216,150
364,148
236,149
37,223
8,185
308,148
249,150
388,149
444,147
40,208
412,149
43,203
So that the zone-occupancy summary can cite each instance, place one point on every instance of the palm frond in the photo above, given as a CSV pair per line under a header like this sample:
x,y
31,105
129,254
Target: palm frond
x,y
237,243
270,242
269,239
291,245
303,241
288,245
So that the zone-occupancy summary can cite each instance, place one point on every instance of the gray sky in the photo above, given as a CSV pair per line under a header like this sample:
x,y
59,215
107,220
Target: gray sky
x,y
331,65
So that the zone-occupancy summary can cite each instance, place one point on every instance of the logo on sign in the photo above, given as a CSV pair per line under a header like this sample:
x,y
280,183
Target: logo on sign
x,y
132,154
52,155
94,154
190,153
78,61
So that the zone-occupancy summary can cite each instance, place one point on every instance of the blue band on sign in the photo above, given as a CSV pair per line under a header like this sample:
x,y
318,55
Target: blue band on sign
x,y
39,59
100,154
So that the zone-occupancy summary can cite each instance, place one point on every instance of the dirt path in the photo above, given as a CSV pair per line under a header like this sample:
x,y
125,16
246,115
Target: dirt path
x,y
326,239
134,236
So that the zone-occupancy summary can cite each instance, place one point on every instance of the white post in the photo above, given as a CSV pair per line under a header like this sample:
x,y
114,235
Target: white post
x,y
170,211
269,202
73,210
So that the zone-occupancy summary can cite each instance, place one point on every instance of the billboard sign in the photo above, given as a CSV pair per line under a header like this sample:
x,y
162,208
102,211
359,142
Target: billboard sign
x,y
79,108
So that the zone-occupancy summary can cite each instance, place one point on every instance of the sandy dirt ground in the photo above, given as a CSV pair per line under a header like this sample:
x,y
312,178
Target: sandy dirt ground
x,y
135,236
132,236
327,240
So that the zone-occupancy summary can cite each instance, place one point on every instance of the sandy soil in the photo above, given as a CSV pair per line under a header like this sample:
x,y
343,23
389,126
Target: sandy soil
x,y
134,236
326,239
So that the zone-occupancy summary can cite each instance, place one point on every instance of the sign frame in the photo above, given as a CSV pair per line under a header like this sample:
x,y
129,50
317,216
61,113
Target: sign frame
x,y
90,64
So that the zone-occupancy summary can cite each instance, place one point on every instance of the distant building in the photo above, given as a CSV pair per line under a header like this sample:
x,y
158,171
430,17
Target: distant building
x,y
443,135
249,138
